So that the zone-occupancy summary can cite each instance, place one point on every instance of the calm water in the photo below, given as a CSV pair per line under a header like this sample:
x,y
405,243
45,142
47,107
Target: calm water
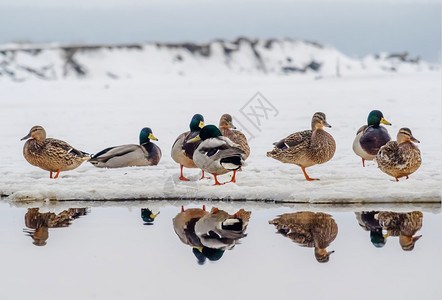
x,y
107,251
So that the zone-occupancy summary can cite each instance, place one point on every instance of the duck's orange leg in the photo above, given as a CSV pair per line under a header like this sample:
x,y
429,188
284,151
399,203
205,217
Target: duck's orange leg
x,y
216,180
396,179
363,163
233,177
202,176
58,173
306,176
50,174
406,177
182,176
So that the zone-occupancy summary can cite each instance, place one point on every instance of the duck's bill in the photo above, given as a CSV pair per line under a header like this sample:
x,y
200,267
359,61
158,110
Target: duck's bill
x,y
25,137
326,124
152,137
201,124
195,139
383,121
232,126
413,139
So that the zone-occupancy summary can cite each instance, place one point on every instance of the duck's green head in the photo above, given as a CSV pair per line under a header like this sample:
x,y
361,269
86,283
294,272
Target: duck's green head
x,y
375,117
148,216
197,122
377,238
146,135
208,131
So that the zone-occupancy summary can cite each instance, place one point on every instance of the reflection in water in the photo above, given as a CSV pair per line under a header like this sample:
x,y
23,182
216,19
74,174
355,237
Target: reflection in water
x,y
210,234
148,216
309,229
403,225
368,222
38,223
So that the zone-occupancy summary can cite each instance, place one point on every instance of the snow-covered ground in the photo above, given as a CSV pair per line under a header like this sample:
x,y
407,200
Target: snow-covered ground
x,y
92,114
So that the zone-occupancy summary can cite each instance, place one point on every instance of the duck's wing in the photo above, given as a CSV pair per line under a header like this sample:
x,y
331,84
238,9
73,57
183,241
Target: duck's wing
x,y
362,129
189,148
294,140
60,147
124,152
388,154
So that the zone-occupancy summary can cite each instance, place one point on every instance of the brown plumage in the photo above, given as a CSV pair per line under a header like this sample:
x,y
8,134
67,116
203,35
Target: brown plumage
x,y
51,154
400,158
309,229
306,148
228,130
38,222
404,225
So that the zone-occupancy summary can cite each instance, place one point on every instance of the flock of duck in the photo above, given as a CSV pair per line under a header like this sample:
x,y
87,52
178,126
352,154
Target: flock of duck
x,y
223,149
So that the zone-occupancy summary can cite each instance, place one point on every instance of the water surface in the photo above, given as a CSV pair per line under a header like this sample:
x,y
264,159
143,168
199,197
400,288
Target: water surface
x,y
107,251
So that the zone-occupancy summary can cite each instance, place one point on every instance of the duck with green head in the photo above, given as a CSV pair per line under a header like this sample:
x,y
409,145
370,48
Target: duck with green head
x,y
130,155
371,137
401,157
182,151
216,154
51,154
306,148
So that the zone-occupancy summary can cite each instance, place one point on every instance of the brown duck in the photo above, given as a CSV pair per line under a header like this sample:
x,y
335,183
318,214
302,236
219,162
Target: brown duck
x,y
306,148
51,154
309,229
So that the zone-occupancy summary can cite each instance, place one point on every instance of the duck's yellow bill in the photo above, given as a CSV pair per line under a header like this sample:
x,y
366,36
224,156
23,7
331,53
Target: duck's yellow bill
x,y
195,139
152,137
201,124
383,121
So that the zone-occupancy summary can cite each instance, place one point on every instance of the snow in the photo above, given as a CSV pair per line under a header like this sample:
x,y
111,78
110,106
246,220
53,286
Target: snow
x,y
97,112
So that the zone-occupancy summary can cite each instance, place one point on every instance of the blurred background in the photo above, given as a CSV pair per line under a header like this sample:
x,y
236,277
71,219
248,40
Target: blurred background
x,y
356,28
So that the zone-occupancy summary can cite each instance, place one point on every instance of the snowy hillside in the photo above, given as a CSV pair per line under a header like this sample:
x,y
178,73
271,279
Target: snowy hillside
x,y
20,62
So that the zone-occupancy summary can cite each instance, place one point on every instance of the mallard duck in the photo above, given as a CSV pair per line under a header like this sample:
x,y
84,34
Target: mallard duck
x,y
216,154
400,158
220,230
309,229
371,137
182,151
184,226
306,148
51,154
404,225
228,130
144,154
148,216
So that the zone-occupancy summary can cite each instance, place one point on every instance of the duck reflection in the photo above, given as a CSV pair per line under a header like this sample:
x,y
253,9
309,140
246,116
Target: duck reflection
x,y
210,234
38,223
309,229
148,216
369,222
402,225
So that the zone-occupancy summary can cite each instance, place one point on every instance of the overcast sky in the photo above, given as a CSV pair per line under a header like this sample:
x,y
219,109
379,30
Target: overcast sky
x,y
356,27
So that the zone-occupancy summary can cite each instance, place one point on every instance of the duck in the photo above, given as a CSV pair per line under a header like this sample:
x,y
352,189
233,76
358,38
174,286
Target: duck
x,y
217,154
148,216
182,151
306,148
405,225
220,230
51,154
184,226
369,138
130,155
309,229
401,157
229,131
